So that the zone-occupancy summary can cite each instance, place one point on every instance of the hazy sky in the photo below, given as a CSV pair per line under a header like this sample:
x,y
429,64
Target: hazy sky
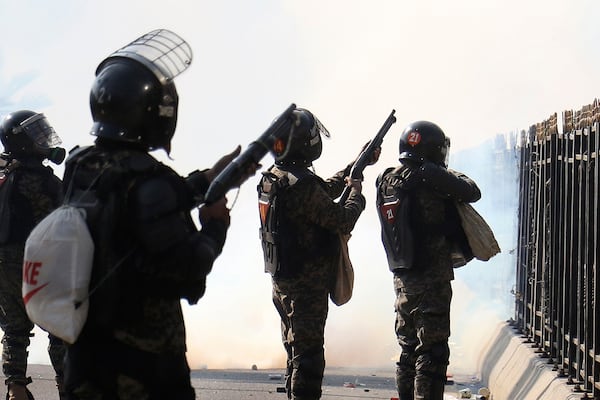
x,y
477,68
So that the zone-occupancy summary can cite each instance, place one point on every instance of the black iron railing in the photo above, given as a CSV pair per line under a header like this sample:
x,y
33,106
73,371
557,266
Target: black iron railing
x,y
557,274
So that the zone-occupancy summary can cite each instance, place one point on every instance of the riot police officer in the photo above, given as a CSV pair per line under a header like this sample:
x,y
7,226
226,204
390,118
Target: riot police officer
x,y
421,232
149,253
300,227
29,191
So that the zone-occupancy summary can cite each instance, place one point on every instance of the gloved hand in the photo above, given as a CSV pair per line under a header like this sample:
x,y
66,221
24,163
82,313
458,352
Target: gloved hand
x,y
355,184
374,156
222,163
218,210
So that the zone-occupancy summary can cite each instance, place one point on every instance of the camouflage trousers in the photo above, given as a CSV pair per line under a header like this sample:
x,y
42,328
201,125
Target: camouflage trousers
x,y
302,304
15,323
422,329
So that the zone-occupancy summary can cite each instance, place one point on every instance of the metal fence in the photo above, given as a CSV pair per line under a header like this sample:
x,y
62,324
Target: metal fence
x,y
557,277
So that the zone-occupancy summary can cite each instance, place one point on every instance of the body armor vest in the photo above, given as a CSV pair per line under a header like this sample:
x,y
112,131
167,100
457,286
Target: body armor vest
x,y
271,186
393,205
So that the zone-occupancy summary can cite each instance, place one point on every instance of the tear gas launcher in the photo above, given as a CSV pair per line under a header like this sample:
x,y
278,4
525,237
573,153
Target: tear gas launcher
x,y
233,173
366,155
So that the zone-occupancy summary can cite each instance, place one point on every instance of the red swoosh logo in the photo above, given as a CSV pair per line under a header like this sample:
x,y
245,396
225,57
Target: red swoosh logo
x,y
29,295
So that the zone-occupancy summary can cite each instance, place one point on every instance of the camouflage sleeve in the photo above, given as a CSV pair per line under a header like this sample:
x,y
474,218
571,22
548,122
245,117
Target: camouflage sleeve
x,y
335,185
42,195
311,202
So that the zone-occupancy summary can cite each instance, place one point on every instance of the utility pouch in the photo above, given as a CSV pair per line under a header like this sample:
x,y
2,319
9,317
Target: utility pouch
x,y
269,251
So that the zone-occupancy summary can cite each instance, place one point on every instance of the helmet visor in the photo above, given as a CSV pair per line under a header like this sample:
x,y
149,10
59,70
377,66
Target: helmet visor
x,y
39,130
162,51
446,151
321,128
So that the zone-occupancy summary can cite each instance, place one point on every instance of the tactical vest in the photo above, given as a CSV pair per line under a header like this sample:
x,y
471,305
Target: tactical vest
x,y
393,205
272,184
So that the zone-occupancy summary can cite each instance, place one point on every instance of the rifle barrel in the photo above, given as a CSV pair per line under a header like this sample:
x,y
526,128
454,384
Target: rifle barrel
x,y
363,158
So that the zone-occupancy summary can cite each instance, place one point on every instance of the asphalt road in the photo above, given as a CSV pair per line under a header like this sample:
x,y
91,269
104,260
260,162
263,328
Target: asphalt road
x,y
338,383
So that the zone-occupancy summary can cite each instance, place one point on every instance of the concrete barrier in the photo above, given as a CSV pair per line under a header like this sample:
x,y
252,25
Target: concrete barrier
x,y
512,370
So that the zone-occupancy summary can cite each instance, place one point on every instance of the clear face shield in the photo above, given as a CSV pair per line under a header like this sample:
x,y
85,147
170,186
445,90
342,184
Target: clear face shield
x,y
316,132
161,51
446,151
165,55
320,130
39,130
44,138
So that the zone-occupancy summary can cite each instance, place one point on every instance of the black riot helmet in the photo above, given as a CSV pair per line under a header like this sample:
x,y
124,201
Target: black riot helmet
x,y
27,134
303,144
424,141
133,98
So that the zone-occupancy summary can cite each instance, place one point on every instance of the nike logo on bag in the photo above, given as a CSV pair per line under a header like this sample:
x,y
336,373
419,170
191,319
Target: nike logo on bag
x,y
30,294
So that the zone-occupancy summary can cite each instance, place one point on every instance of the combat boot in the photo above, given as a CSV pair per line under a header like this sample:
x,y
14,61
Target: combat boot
x,y
62,393
18,391
60,386
406,396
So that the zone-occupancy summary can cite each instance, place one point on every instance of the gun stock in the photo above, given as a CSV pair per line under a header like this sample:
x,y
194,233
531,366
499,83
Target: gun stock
x,y
366,155
232,174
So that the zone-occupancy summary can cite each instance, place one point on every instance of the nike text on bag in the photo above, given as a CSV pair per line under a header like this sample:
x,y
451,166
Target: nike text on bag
x,y
56,272
479,234
344,281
